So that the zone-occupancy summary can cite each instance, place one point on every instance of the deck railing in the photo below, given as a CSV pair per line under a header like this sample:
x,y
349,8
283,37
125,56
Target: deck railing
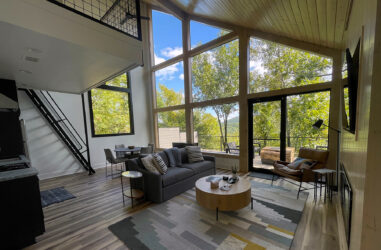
x,y
216,143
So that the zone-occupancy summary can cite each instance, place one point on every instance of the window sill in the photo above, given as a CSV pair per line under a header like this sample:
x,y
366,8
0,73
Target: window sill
x,y
221,155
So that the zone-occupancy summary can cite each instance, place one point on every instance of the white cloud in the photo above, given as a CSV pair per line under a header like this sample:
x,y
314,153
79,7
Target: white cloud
x,y
257,66
167,73
181,76
171,52
158,59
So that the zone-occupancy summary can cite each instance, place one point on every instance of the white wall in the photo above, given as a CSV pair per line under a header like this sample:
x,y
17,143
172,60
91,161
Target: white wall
x,y
50,155
46,151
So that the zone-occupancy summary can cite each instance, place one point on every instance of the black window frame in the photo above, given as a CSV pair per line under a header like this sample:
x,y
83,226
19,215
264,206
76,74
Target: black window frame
x,y
119,89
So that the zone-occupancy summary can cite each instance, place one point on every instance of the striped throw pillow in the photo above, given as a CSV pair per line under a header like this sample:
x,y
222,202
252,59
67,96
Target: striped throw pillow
x,y
160,164
149,164
194,154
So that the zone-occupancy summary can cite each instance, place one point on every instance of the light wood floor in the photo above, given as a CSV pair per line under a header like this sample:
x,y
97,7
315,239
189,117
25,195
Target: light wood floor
x,y
81,223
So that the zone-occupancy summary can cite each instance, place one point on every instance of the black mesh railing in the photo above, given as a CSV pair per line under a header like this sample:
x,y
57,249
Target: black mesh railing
x,y
121,15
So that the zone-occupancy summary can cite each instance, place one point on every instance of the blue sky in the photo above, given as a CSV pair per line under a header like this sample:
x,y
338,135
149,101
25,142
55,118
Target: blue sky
x,y
167,38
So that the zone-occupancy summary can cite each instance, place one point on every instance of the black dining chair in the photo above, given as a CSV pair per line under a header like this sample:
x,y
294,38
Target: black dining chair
x,y
114,162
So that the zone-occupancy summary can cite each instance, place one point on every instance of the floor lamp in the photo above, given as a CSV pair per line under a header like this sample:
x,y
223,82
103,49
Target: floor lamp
x,y
317,125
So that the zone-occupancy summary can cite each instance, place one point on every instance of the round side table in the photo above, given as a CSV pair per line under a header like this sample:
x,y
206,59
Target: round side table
x,y
131,192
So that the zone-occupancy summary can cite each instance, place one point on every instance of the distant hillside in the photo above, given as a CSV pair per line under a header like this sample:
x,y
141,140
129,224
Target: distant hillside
x,y
233,126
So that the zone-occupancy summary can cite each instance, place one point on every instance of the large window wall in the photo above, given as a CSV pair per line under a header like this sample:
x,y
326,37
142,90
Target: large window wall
x,y
201,89
183,111
274,66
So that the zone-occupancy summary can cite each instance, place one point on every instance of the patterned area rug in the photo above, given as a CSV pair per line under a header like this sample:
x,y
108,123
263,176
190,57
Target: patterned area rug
x,y
264,176
55,195
181,223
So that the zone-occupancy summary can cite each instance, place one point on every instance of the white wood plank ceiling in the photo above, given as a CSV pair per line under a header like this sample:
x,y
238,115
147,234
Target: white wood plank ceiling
x,y
320,22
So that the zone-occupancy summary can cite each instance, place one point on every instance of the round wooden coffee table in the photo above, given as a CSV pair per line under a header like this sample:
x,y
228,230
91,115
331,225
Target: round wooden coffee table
x,y
239,195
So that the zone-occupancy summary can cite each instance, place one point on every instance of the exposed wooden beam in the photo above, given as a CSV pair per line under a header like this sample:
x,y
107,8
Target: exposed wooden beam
x,y
213,44
167,63
244,58
170,108
214,102
293,91
198,50
173,9
306,46
187,81
213,22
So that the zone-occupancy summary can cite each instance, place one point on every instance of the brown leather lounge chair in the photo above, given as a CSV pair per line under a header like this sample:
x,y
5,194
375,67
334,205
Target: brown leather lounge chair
x,y
302,175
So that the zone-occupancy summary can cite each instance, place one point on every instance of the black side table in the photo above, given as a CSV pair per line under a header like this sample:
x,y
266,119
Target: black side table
x,y
131,192
328,181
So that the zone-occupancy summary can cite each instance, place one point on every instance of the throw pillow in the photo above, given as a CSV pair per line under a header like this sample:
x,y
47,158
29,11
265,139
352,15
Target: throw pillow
x,y
171,157
160,164
297,163
177,154
148,163
194,154
308,164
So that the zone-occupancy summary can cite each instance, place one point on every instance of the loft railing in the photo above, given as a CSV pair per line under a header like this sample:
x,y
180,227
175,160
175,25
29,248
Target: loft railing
x,y
120,15
217,142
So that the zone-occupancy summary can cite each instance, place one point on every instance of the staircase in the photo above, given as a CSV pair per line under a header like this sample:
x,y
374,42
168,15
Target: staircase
x,y
61,125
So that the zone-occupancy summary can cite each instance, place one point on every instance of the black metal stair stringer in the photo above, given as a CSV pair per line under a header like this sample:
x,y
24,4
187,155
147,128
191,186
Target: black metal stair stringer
x,y
76,150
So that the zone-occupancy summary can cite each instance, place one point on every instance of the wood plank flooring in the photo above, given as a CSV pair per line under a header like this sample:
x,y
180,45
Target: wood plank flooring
x,y
81,223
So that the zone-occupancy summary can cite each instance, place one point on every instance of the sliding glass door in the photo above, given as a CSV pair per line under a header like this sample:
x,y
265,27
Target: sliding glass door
x,y
280,126
265,132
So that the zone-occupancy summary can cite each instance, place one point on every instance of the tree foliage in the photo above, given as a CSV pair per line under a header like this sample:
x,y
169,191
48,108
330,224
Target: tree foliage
x,y
111,112
215,75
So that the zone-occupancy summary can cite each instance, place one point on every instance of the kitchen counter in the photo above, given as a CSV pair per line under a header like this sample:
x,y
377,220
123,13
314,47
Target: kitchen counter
x,y
17,174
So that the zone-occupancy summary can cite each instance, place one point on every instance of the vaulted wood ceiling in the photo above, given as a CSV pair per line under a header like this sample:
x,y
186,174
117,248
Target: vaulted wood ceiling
x,y
321,22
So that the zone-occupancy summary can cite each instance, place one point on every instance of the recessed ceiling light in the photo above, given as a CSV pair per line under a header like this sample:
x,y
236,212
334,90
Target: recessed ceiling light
x,y
25,71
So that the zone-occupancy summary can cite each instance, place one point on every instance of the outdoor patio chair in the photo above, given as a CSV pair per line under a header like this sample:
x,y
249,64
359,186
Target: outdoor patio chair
x,y
301,175
232,148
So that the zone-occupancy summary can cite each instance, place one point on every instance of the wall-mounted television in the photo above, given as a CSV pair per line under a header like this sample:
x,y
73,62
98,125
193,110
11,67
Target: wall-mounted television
x,y
350,88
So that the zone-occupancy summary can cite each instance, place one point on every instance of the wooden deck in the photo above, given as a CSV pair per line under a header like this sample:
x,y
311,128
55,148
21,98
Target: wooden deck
x,y
81,223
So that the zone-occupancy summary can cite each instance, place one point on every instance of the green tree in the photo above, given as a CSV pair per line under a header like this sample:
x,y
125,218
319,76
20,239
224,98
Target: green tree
x,y
215,74
111,111
284,67
204,123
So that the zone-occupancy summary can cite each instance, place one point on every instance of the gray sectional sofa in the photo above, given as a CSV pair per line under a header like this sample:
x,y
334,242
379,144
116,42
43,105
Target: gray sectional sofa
x,y
159,188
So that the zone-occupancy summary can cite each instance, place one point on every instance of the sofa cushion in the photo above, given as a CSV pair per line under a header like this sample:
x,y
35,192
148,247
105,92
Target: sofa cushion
x,y
194,154
171,158
199,167
175,175
184,155
177,154
160,164
163,156
149,163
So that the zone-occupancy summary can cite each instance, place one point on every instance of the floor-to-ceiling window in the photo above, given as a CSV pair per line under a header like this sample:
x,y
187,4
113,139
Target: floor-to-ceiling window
x,y
198,97
213,76
282,122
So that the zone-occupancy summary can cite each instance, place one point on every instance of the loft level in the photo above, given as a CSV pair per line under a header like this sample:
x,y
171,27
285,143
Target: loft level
x,y
120,15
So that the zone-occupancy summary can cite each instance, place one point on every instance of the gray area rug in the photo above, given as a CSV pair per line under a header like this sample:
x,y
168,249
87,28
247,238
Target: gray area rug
x,y
181,223
55,195
263,176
